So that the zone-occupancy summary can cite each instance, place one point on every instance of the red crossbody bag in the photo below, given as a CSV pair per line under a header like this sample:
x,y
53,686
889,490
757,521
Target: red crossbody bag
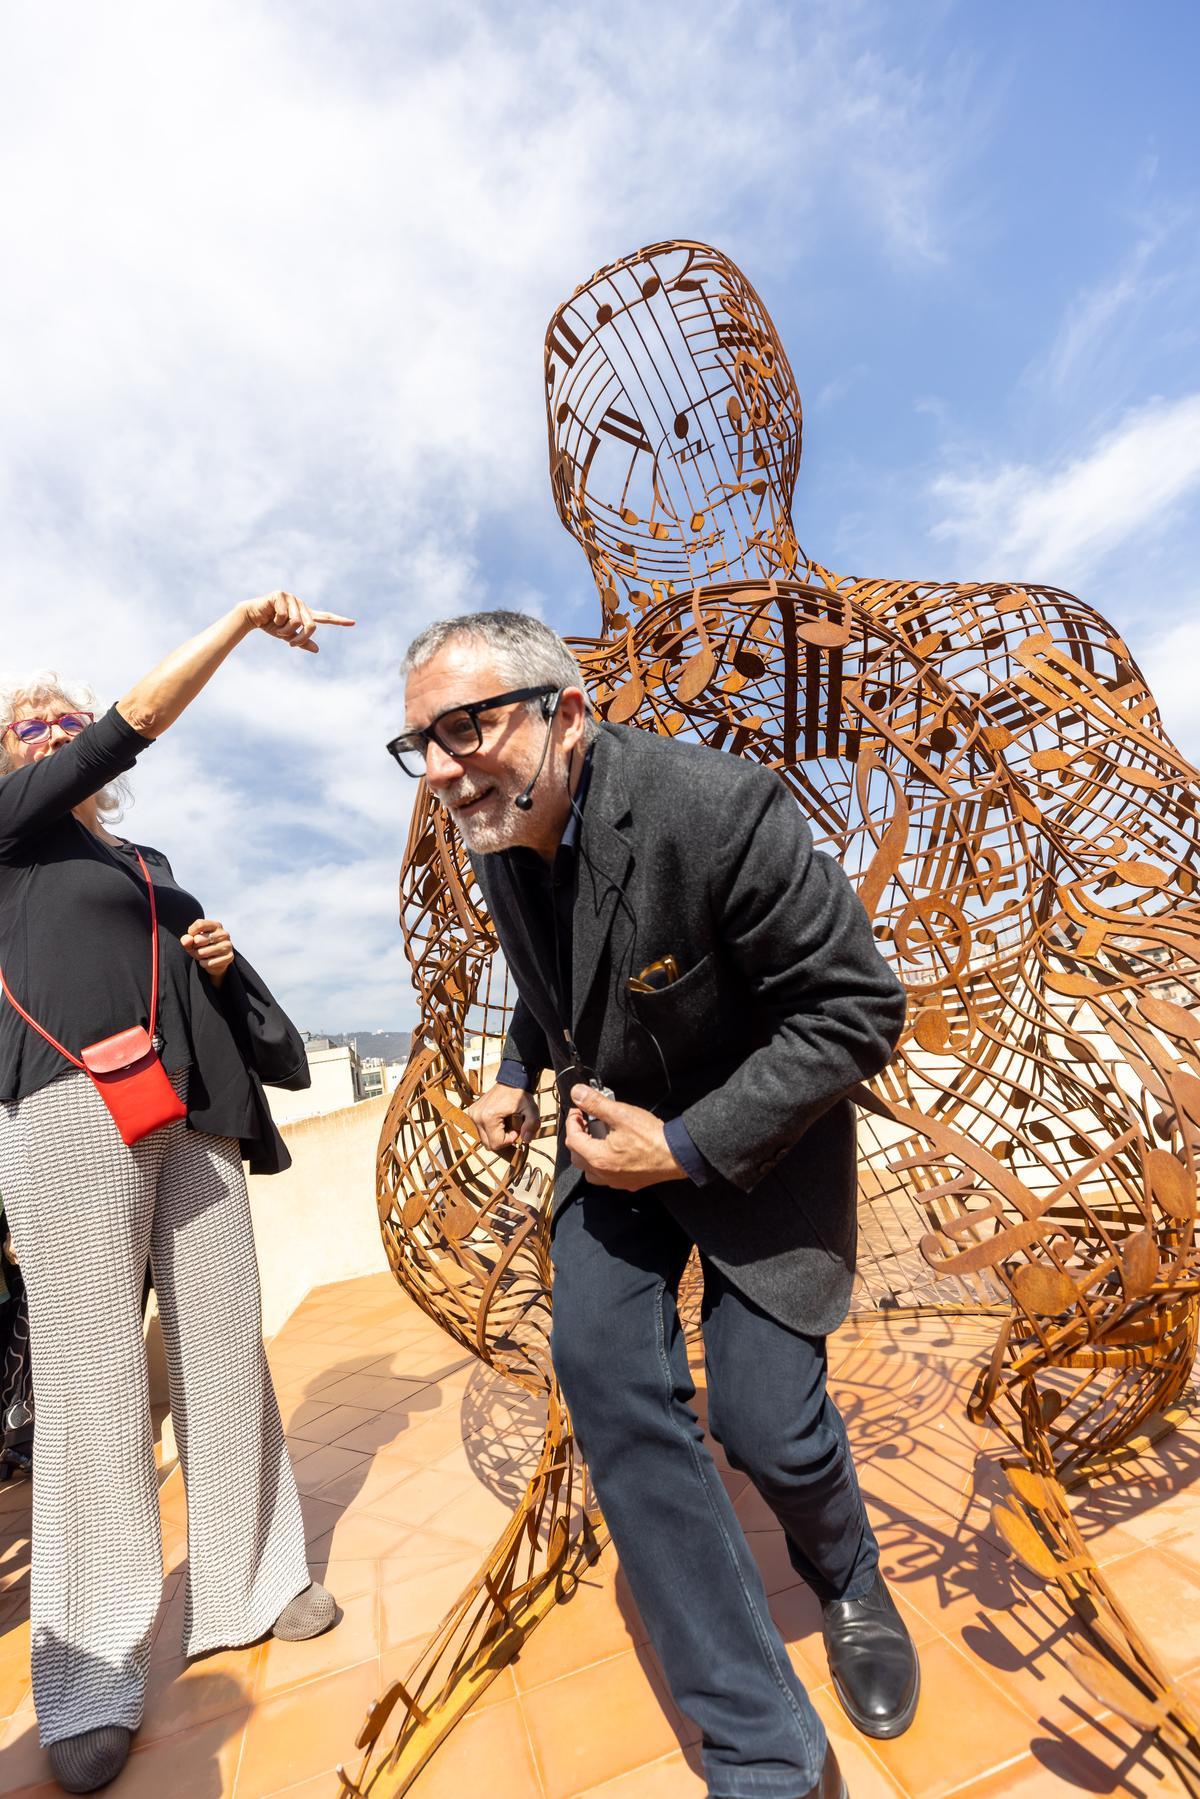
x,y
125,1069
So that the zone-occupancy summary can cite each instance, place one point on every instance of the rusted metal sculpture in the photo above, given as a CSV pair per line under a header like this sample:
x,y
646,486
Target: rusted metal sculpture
x,y
990,768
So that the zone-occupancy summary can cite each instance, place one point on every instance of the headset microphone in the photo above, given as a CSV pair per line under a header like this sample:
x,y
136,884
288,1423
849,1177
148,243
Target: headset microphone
x,y
524,800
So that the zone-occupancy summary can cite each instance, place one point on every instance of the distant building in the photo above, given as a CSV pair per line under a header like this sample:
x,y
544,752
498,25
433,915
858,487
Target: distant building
x,y
336,1082
371,1077
340,1077
483,1051
378,1077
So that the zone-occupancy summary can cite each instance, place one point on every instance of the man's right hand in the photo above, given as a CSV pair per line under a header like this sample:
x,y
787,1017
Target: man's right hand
x,y
505,1116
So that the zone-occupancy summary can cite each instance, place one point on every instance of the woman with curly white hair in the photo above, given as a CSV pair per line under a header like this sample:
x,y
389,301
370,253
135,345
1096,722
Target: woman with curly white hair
x,y
128,1096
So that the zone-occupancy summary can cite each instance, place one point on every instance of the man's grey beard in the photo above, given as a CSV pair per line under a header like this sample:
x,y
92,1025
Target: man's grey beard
x,y
505,825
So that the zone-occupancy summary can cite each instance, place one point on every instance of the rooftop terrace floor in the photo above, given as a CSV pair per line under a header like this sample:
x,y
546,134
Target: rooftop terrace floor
x,y
410,1457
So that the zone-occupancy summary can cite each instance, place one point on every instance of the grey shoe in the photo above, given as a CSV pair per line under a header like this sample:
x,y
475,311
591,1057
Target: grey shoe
x,y
308,1614
90,1760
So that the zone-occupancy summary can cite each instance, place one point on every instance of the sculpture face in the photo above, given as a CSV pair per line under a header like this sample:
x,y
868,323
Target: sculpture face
x,y
674,424
990,768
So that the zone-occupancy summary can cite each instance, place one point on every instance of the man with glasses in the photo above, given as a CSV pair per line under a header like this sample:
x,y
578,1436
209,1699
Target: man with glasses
x,y
707,990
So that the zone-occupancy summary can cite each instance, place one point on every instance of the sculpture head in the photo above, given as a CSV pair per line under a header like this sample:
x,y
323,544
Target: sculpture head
x,y
675,427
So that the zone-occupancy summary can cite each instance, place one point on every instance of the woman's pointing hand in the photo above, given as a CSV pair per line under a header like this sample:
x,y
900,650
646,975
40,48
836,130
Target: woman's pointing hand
x,y
282,615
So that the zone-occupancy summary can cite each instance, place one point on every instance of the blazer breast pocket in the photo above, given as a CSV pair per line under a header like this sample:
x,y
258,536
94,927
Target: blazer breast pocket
x,y
686,1005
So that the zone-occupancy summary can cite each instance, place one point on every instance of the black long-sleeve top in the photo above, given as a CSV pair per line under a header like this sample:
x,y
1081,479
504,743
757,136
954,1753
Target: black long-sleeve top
x,y
75,950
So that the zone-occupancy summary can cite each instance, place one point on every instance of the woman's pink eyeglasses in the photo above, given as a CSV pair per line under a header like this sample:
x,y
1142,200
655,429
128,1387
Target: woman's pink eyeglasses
x,y
36,730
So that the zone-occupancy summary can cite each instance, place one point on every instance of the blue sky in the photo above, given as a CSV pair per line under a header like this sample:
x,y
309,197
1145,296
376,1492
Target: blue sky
x,y
276,282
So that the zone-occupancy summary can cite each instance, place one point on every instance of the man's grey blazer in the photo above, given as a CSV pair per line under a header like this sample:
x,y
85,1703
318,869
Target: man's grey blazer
x,y
782,1005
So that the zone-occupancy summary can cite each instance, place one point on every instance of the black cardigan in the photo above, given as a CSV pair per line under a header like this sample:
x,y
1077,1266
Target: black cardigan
x,y
75,950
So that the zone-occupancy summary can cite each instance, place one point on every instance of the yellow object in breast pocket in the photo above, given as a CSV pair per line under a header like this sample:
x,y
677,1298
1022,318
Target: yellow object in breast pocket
x,y
655,976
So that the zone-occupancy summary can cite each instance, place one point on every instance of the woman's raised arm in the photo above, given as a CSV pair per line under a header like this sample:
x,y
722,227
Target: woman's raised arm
x,y
156,701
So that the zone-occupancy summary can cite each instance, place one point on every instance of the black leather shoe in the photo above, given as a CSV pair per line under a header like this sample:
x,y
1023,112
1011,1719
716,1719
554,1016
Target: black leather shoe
x,y
829,1786
873,1662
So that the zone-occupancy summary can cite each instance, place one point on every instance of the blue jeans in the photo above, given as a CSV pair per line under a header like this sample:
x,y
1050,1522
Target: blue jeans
x,y
621,1357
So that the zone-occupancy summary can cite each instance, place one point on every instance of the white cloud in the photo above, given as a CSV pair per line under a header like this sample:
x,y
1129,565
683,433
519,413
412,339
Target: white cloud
x,y
1056,522
1169,664
1097,314
276,282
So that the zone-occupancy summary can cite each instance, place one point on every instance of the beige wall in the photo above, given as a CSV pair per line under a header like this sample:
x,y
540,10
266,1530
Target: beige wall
x,y
333,1086
314,1224
317,1222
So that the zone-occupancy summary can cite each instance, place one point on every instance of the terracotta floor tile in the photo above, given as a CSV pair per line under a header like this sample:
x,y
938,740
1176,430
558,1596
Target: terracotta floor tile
x,y
22,1760
420,1496
797,1615
1183,1540
861,1769
417,1604
300,1412
290,1738
1109,1757
598,1621
14,1668
325,1463
487,1754
353,1639
168,1626
321,1786
1065,1770
476,1514
1162,1592
358,1534
182,1695
964,1727
320,1516
196,1764
394,1427
603,1721
423,1549
427,1441
332,1423
371,1392
676,1776
1024,1648
379,1475
349,1576
434,1361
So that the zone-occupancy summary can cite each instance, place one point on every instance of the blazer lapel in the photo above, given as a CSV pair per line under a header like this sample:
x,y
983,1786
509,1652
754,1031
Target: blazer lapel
x,y
605,856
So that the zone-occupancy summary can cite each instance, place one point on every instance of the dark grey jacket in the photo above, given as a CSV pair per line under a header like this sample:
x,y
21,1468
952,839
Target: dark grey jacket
x,y
782,1005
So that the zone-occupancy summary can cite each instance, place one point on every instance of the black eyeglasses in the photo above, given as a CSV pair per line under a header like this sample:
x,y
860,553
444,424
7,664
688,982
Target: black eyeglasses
x,y
460,732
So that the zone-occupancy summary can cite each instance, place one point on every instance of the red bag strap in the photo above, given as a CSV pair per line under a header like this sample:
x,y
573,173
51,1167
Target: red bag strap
x,y
53,1041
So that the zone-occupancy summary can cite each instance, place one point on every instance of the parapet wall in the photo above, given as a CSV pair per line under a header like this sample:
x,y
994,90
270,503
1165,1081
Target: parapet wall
x,y
317,1223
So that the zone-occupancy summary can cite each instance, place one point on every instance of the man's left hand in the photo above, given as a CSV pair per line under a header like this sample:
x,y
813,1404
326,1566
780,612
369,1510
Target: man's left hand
x,y
633,1155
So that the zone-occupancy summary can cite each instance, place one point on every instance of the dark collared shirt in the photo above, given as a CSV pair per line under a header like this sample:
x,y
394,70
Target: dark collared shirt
x,y
548,891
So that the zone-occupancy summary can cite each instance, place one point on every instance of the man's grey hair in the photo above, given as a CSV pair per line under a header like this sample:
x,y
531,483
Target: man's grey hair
x,y
526,652
35,690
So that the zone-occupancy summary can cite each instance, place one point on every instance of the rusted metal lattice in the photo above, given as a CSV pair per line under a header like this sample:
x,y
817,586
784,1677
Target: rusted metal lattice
x,y
989,767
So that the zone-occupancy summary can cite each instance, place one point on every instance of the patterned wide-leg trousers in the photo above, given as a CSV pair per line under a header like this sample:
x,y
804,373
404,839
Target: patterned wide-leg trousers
x,y
85,1212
